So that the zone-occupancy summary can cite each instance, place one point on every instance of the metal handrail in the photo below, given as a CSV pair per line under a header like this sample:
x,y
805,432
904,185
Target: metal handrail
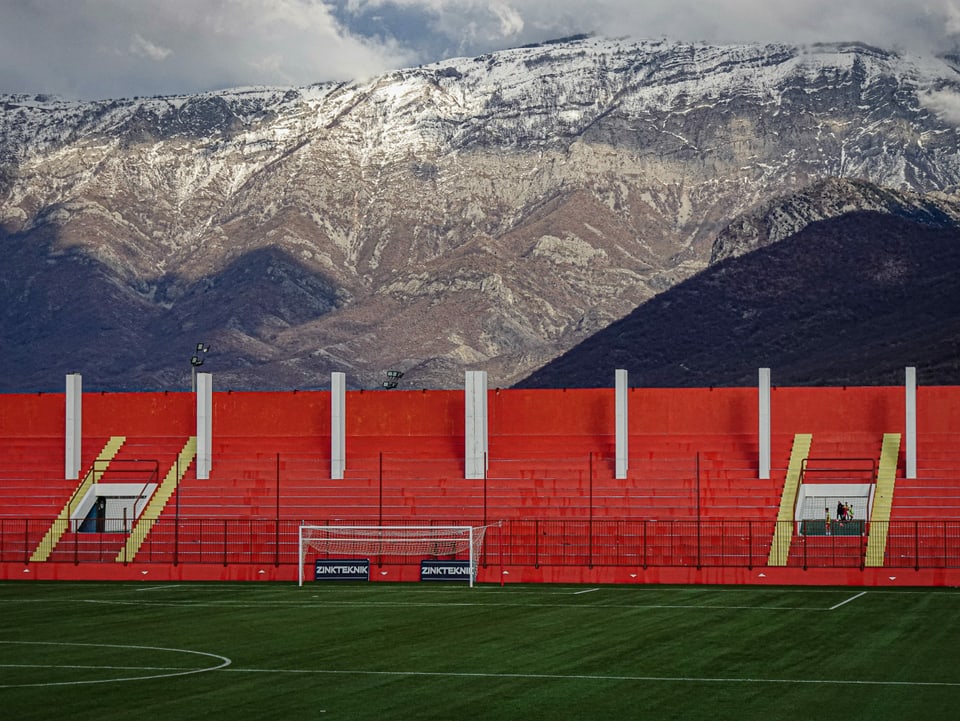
x,y
869,461
152,478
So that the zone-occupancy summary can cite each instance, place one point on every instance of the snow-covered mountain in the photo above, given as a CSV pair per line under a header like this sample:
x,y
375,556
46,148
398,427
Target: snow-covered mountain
x,y
479,213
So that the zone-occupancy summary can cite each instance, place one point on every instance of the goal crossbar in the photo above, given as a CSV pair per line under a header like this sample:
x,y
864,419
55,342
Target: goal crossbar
x,y
369,541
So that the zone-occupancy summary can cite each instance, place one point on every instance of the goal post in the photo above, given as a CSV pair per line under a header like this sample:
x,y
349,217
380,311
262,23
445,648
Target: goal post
x,y
367,541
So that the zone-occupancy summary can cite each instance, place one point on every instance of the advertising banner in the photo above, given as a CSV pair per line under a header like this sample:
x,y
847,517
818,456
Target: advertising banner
x,y
445,571
342,569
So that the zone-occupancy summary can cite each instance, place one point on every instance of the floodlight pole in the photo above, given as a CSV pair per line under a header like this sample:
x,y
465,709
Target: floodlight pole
x,y
196,361
393,379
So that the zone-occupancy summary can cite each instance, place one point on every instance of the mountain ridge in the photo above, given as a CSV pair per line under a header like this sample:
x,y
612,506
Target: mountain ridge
x,y
478,213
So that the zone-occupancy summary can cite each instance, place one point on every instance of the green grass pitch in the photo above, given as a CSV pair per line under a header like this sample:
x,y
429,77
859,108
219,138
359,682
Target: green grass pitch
x,y
384,651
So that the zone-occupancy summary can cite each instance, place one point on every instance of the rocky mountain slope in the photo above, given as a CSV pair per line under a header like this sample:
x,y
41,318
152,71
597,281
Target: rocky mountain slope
x,y
851,300
482,213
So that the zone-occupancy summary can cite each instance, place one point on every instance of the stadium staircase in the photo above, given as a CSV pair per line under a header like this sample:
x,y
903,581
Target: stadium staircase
x,y
143,525
883,500
840,459
135,464
783,531
61,524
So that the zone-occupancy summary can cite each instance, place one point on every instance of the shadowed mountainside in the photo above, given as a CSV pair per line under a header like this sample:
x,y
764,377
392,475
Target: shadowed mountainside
x,y
846,301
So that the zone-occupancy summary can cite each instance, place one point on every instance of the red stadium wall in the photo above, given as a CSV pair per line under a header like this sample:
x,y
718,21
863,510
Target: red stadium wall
x,y
32,415
441,413
570,412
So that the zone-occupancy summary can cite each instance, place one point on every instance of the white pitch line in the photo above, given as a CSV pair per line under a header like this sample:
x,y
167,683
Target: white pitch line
x,y
170,673
95,668
159,588
852,598
439,604
591,677
589,590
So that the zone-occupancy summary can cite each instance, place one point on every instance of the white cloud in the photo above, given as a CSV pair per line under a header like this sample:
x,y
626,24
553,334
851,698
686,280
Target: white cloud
x,y
139,45
945,104
109,48
951,16
102,48
511,22
910,23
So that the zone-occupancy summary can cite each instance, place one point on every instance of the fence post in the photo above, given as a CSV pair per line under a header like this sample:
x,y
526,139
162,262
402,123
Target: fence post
x,y
699,517
863,550
176,516
485,462
590,512
536,543
645,545
499,541
916,545
943,525
276,539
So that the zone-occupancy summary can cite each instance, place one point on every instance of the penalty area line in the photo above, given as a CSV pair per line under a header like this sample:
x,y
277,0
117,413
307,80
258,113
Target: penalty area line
x,y
159,588
843,603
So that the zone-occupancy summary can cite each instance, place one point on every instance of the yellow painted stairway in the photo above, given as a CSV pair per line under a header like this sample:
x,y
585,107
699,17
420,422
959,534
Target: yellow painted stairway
x,y
783,533
62,522
159,499
883,500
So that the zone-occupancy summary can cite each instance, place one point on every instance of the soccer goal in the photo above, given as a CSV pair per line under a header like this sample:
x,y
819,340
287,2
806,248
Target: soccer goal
x,y
366,541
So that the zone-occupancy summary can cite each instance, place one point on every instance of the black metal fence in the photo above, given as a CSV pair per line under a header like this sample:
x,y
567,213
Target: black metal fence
x,y
530,542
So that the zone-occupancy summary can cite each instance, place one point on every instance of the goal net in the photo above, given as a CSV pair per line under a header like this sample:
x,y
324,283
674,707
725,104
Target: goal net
x,y
368,541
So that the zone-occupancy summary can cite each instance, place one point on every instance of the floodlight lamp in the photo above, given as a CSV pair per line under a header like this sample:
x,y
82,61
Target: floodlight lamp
x,y
395,374
389,384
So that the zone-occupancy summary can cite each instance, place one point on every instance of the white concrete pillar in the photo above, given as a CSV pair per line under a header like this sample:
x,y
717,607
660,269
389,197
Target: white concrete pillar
x,y
622,424
910,428
763,431
74,429
204,424
475,425
338,424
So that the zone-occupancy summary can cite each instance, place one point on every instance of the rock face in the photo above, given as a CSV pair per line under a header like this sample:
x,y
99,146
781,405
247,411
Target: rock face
x,y
849,300
485,213
782,217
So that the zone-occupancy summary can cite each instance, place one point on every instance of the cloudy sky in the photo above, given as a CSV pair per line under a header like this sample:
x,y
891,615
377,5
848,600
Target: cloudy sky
x,y
119,48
